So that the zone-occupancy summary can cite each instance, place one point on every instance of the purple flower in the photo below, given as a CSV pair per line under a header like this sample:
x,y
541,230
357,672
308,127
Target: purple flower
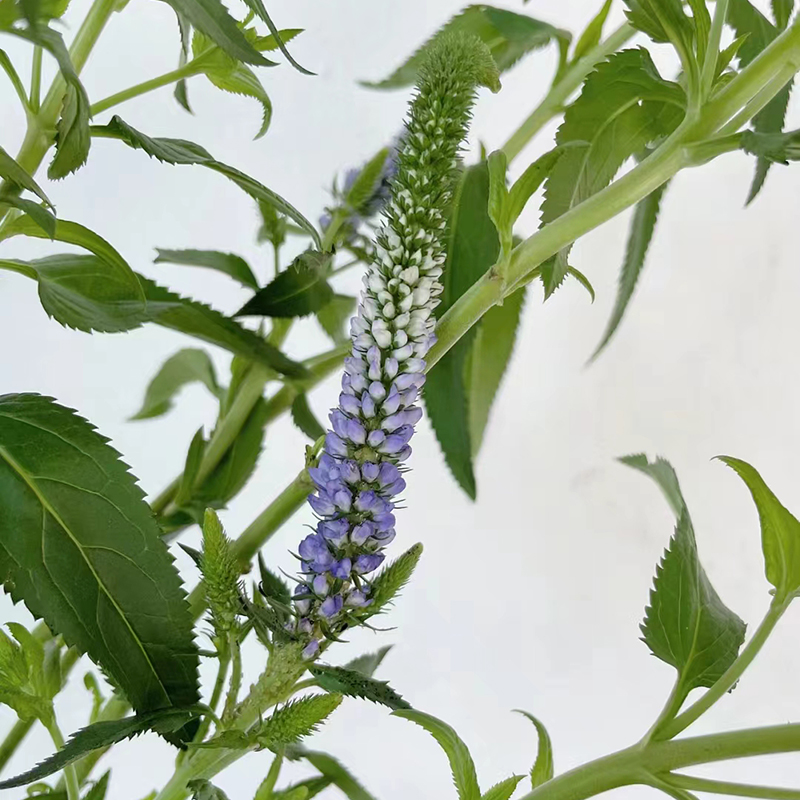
x,y
331,606
341,569
311,649
368,562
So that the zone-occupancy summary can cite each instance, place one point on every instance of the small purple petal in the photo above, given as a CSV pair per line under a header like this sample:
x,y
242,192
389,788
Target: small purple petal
x,y
305,626
359,383
341,569
404,454
354,365
312,547
385,537
376,438
369,471
395,488
350,404
384,521
413,415
311,649
392,445
355,432
392,403
320,585
388,474
367,501
334,444
334,530
339,422
377,391
302,606
331,606
367,406
390,367
409,379
343,500
361,533
357,599
349,471
368,562
322,504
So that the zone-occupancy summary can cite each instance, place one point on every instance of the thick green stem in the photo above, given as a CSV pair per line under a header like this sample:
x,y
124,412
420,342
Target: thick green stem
x,y
712,49
730,789
558,95
36,79
731,675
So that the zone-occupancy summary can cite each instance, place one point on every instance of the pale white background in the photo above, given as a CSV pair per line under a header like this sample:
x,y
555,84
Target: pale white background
x,y
531,597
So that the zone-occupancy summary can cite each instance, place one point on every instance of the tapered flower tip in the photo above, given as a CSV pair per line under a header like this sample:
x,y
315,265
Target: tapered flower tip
x,y
468,57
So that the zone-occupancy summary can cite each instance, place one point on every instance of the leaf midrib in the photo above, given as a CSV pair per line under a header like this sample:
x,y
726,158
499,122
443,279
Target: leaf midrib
x,y
31,483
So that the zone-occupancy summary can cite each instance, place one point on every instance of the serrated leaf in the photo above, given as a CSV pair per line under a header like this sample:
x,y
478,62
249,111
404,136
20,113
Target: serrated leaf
x,y
508,35
591,36
686,624
461,764
331,768
101,735
299,290
340,680
542,769
624,105
304,418
334,316
746,19
82,549
504,789
487,361
12,171
662,472
662,21
45,219
368,663
296,719
782,11
186,366
228,263
272,586
392,579
179,151
640,234
212,18
100,788
277,36
203,322
202,789
780,532
778,148
472,248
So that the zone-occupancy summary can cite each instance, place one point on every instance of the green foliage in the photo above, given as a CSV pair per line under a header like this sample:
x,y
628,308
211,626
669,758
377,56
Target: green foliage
x,y
542,769
780,532
297,291
42,216
304,790
296,719
392,579
304,418
202,789
355,684
100,788
661,472
782,11
330,768
686,624
101,735
170,310
368,663
624,106
504,789
458,755
508,35
591,36
81,548
30,674
662,21
179,151
366,182
334,316
746,20
777,148
12,171
186,366
277,38
271,586
228,263
220,575
640,235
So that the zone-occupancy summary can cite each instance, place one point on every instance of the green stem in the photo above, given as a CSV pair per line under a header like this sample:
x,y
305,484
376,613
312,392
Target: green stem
x,y
329,237
186,71
731,675
758,102
712,50
36,79
730,789
16,81
71,779
673,705
558,95
216,695
236,678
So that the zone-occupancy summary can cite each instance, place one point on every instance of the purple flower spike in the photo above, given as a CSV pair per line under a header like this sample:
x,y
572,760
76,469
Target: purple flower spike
x,y
331,606
368,562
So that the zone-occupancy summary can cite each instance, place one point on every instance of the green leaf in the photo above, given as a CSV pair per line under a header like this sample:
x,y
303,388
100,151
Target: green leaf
x,y
271,586
624,105
205,790
663,474
179,151
472,248
191,467
591,36
101,735
782,11
368,663
366,183
640,235
686,624
461,763
297,291
278,37
181,92
273,227
747,20
304,790
530,180
186,366
196,319
392,579
329,767
45,219
778,148
334,316
99,790
212,18
508,35
11,171
542,769
504,789
82,549
497,165
340,680
487,361
296,719
662,21
780,532
230,264
304,418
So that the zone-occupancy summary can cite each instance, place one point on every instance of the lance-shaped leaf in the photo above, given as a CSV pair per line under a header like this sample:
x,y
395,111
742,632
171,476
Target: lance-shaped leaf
x,y
331,768
355,684
780,532
186,366
593,32
179,151
304,418
660,471
542,769
101,735
303,790
12,171
640,234
782,11
297,291
747,20
504,789
624,105
82,549
228,263
461,764
369,662
686,624
508,35
42,216
334,315
278,38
